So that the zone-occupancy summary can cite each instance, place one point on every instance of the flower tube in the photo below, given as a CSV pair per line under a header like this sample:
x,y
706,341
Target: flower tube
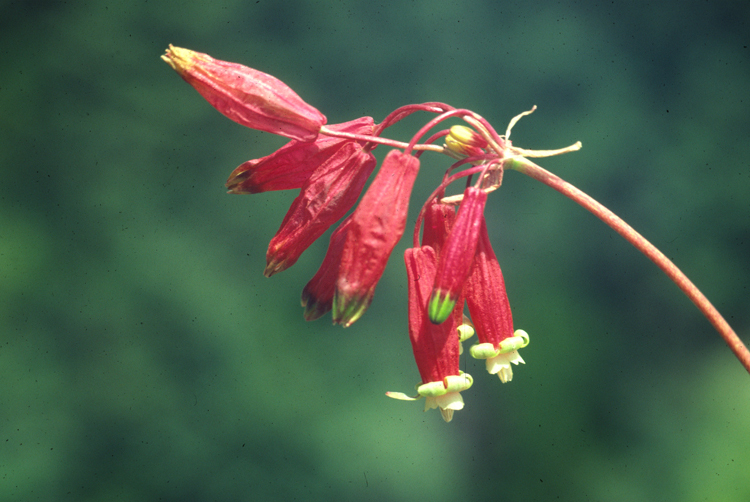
x,y
457,255
490,312
247,96
377,224
435,346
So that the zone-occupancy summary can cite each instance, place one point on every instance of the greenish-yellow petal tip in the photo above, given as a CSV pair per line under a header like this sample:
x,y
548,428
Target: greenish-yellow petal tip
x,y
440,307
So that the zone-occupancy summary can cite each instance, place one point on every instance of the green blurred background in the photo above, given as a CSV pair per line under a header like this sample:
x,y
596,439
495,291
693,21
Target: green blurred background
x,y
144,356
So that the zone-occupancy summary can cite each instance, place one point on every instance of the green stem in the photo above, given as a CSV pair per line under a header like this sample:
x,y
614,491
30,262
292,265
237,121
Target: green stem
x,y
527,167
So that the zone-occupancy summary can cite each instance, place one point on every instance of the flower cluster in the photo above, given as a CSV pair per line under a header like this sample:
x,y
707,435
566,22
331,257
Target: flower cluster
x,y
452,267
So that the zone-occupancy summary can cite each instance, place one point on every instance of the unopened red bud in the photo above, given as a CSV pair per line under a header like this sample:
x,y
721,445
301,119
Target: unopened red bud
x,y
247,96
457,255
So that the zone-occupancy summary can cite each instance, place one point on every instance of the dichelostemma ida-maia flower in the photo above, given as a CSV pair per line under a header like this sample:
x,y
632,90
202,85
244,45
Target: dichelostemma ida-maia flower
x,y
450,270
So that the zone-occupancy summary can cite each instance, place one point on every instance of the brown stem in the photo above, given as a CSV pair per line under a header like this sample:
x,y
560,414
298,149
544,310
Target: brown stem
x,y
527,167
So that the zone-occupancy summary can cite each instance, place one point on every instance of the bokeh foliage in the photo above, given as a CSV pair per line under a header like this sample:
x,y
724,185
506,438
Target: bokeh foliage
x,y
144,357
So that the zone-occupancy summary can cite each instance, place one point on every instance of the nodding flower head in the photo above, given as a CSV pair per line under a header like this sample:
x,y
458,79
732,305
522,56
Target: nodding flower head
x,y
452,267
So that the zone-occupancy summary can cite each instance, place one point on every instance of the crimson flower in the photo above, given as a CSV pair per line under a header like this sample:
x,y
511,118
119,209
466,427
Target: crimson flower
x,y
377,225
435,346
292,165
438,221
330,191
457,255
490,312
247,96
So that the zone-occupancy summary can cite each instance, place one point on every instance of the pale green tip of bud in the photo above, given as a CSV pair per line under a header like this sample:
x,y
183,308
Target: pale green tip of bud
x,y
440,307
347,311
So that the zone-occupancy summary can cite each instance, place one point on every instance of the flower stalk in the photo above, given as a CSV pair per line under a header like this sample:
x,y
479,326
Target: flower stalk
x,y
538,173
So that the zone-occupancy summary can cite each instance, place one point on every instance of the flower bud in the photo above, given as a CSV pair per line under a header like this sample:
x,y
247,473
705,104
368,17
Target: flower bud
x,y
457,255
330,192
465,141
249,97
377,224
292,165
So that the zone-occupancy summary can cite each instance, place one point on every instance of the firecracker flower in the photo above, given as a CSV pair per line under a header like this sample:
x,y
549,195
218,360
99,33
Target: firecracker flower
x,y
376,227
454,263
457,255
490,312
435,346
331,190
249,97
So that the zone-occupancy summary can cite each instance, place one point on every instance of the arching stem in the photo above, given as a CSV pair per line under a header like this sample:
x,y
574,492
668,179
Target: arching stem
x,y
527,167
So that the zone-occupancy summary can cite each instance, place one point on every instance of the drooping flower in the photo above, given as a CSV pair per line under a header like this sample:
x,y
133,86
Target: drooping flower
x,y
292,165
457,255
332,189
453,265
317,296
490,312
377,225
247,96
439,219
435,346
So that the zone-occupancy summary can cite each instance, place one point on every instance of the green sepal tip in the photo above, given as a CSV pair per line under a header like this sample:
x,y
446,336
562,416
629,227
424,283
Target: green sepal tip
x,y
440,307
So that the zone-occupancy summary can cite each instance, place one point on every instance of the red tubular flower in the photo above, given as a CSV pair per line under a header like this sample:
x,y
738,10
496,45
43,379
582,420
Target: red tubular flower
x,y
457,255
485,294
329,193
438,222
292,165
317,296
490,312
377,225
249,97
435,346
